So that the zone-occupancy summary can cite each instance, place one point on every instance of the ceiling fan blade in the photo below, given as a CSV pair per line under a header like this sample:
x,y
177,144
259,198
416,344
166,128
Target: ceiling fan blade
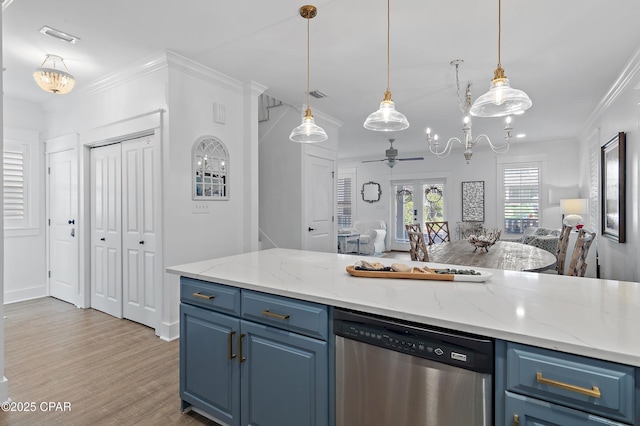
x,y
410,159
373,161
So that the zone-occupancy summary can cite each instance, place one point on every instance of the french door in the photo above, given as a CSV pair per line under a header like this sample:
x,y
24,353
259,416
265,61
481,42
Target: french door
x,y
416,201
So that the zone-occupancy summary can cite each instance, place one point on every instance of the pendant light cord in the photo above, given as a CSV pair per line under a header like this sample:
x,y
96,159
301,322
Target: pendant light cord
x,y
388,45
308,63
499,30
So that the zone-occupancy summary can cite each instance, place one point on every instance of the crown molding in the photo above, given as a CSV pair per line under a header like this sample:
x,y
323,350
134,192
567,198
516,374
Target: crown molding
x,y
153,63
623,81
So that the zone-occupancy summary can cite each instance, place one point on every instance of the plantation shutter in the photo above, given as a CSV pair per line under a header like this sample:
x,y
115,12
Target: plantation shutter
x,y
14,188
521,197
344,201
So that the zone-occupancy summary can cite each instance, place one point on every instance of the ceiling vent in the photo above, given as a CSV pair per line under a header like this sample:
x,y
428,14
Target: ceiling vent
x,y
59,35
318,94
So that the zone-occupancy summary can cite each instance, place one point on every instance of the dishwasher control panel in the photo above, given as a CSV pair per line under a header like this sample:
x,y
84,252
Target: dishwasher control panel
x,y
461,351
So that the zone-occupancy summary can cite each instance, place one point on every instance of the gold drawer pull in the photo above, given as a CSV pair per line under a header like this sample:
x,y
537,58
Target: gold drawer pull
x,y
203,296
272,315
595,392
516,420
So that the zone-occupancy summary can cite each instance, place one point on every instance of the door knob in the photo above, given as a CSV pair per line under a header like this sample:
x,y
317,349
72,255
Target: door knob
x,y
311,229
141,242
71,222
102,239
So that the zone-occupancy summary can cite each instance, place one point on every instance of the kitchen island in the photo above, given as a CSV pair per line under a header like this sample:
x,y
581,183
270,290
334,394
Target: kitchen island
x,y
582,316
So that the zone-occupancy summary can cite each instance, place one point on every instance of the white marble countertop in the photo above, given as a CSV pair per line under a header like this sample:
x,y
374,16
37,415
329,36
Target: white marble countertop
x,y
591,317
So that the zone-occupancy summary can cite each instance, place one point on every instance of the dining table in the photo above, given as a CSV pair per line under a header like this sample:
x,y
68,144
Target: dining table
x,y
508,255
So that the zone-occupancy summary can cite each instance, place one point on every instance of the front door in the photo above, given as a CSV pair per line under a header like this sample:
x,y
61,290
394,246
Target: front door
x,y
318,202
63,226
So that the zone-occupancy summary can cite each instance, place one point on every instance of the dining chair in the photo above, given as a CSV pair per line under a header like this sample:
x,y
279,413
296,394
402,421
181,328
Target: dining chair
x,y
578,266
438,232
561,252
418,248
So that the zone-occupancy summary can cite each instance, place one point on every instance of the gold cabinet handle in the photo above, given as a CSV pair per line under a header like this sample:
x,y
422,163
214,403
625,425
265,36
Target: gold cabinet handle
x,y
203,296
241,359
594,392
230,343
272,315
516,420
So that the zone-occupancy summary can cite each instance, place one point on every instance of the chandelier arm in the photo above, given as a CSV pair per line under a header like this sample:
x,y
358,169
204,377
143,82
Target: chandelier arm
x,y
447,149
498,149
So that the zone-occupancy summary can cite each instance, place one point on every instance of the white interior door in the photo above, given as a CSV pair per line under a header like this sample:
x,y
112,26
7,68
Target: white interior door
x,y
319,204
63,214
106,230
140,211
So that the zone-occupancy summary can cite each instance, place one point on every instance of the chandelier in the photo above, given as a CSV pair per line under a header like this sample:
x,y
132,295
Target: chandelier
x,y
468,141
53,80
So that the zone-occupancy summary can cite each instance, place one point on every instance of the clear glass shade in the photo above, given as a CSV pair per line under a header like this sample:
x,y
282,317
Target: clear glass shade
x,y
500,100
308,132
386,119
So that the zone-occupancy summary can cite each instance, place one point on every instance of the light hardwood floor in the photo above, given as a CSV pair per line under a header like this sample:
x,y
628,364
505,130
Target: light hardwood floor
x,y
110,371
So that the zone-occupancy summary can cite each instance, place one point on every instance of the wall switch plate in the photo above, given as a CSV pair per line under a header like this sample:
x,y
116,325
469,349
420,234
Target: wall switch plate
x,y
200,207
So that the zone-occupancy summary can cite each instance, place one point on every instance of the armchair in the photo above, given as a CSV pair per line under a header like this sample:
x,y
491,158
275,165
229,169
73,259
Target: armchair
x,y
372,236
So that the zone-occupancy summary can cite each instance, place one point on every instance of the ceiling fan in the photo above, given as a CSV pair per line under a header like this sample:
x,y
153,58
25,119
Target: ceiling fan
x,y
391,155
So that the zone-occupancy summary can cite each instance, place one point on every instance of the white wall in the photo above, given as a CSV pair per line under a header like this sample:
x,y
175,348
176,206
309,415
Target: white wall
x,y
25,255
557,171
618,112
281,175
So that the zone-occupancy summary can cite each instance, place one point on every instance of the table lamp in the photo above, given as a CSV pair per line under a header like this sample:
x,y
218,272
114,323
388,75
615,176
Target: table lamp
x,y
571,209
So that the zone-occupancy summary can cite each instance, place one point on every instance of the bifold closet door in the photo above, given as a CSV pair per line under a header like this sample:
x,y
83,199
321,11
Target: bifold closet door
x,y
140,213
106,230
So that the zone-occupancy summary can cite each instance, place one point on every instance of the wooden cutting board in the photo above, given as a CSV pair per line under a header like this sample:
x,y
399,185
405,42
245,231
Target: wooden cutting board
x,y
416,275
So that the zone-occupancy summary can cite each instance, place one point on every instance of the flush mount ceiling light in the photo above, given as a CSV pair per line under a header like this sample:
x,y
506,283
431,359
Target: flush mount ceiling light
x,y
51,79
387,119
308,131
501,99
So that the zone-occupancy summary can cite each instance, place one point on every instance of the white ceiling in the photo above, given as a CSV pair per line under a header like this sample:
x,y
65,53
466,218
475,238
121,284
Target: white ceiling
x,y
565,54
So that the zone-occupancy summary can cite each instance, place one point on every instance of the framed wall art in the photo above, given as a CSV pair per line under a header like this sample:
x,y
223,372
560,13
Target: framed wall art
x,y
473,201
612,188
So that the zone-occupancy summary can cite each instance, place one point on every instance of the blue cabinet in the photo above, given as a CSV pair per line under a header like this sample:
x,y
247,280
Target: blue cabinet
x,y
536,386
251,358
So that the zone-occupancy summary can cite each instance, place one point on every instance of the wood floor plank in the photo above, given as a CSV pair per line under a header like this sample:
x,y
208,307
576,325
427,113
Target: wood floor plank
x,y
110,371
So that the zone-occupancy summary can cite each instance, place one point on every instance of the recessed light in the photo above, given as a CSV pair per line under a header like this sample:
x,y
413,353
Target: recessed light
x,y
59,35
520,135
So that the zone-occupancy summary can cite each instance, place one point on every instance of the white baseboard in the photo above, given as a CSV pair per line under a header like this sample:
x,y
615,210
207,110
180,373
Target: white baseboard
x,y
24,294
4,390
168,332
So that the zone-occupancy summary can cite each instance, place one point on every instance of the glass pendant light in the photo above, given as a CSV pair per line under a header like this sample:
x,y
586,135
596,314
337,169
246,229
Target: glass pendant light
x,y
387,119
501,99
308,131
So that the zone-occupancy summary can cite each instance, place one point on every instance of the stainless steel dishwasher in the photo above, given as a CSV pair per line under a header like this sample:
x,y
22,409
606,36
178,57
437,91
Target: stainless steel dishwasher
x,y
395,373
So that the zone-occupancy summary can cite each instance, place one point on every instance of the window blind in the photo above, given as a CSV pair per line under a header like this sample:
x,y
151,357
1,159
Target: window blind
x,y
14,193
344,201
521,197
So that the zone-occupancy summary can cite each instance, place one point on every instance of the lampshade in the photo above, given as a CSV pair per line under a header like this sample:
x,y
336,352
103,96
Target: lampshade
x,y
308,131
501,99
387,119
574,206
53,80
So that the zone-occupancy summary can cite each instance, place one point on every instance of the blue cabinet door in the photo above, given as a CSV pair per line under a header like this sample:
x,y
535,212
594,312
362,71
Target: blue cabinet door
x,y
284,378
209,367
526,411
